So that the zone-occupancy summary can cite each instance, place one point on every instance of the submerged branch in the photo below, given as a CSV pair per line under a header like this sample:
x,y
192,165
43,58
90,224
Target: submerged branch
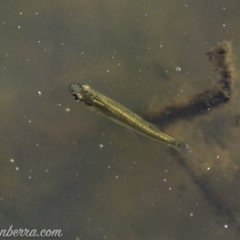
x,y
221,59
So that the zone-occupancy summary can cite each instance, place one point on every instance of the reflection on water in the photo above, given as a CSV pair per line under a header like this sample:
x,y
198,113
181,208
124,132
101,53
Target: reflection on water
x,y
79,172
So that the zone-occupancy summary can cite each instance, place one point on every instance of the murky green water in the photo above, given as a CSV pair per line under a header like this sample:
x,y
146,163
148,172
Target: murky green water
x,y
65,167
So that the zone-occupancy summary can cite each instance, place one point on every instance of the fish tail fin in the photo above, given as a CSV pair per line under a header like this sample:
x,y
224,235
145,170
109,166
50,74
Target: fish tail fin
x,y
190,149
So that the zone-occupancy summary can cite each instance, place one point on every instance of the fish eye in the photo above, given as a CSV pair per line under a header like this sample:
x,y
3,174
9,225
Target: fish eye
x,y
75,97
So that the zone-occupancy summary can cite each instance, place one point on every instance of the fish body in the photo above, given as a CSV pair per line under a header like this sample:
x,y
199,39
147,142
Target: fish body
x,y
122,115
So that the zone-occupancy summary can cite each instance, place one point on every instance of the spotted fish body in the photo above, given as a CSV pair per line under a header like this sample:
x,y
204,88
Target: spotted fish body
x,y
122,115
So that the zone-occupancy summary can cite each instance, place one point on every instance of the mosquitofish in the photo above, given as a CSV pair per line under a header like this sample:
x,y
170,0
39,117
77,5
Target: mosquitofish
x,y
124,116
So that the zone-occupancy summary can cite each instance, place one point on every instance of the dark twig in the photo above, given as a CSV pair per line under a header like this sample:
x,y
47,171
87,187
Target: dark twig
x,y
221,59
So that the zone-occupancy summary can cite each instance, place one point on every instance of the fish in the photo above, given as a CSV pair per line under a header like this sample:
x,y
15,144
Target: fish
x,y
124,116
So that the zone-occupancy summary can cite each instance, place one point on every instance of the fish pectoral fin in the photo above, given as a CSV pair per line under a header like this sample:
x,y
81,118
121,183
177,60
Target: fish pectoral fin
x,y
134,135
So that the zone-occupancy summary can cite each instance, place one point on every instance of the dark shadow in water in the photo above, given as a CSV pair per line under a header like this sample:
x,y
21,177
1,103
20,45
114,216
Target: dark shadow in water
x,y
221,59
220,205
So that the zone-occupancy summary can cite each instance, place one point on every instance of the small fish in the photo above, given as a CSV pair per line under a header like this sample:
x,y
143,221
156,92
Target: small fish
x,y
122,115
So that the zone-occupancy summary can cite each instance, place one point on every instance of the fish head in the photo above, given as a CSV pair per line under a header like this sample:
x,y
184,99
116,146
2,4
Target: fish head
x,y
81,92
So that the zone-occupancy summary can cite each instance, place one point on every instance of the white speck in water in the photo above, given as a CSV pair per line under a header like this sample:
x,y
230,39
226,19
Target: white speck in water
x,y
17,168
62,43
20,13
116,176
208,168
46,170
30,121
29,177
100,145
37,144
39,93
224,25
67,110
191,214
164,179
36,13
218,156
19,27
161,45
108,70
11,160
225,226
109,167
149,48
224,8
170,189
178,69
39,41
